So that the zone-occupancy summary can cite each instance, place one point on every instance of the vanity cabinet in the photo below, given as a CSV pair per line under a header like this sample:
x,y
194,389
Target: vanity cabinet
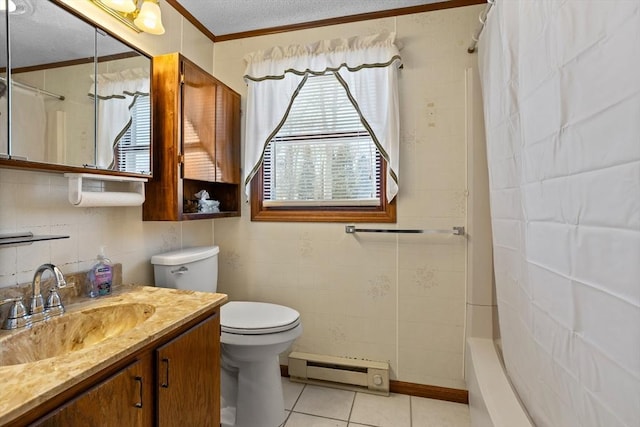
x,y
189,378
173,382
196,128
124,399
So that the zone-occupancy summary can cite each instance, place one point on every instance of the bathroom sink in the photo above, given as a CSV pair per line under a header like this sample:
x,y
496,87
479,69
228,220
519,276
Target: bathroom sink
x,y
71,332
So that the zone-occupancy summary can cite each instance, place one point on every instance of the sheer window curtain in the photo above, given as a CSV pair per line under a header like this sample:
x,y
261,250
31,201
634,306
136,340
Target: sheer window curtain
x,y
274,76
116,94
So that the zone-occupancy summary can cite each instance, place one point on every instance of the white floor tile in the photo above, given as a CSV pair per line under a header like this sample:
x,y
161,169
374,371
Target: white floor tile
x,y
291,392
438,413
325,402
286,417
303,420
382,411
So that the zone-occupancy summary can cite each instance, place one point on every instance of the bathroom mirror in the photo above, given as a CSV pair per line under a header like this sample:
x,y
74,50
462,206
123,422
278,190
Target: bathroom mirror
x,y
78,98
4,119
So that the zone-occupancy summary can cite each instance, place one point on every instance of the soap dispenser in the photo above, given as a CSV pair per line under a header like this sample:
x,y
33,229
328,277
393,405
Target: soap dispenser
x,y
100,276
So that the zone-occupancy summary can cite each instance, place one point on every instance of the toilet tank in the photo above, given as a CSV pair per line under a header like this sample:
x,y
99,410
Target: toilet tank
x,y
194,269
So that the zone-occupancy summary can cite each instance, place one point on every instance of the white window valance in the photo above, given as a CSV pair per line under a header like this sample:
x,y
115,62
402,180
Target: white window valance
x,y
275,76
120,84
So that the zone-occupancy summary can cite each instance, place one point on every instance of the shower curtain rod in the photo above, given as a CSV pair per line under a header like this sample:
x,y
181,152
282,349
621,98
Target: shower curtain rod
x,y
482,18
33,89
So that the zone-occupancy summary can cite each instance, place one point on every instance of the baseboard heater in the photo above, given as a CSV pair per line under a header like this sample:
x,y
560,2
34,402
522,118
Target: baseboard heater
x,y
340,372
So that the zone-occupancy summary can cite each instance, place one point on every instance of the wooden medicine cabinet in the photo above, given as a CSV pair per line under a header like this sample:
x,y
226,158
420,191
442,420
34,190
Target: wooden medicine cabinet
x,y
196,128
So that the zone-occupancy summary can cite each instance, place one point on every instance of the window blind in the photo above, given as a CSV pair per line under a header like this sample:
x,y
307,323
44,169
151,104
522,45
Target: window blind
x,y
133,152
322,155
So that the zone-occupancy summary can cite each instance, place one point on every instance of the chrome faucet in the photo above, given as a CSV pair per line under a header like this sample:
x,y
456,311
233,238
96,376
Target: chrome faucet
x,y
38,310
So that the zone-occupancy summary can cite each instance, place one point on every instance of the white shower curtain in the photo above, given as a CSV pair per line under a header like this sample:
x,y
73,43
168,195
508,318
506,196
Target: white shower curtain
x,y
561,88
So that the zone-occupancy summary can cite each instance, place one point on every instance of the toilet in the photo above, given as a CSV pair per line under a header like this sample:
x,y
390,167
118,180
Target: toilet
x,y
253,334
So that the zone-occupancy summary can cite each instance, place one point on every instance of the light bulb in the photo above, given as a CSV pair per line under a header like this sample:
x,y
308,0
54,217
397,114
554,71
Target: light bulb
x,y
7,5
149,18
125,6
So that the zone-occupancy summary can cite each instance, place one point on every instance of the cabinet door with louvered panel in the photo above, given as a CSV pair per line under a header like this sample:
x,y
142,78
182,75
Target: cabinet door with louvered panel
x,y
198,124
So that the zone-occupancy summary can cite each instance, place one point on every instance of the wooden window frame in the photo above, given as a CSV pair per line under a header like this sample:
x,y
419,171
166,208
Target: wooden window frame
x,y
385,213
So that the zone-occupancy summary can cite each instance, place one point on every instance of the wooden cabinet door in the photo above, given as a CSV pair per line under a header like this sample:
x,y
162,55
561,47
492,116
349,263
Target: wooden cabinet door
x,y
198,124
188,368
125,399
163,192
228,135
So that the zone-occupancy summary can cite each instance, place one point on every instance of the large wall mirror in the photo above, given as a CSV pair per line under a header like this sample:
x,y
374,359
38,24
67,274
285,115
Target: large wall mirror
x,y
74,96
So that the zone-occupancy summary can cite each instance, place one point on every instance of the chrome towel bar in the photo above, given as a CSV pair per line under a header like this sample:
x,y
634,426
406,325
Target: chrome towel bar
x,y
351,229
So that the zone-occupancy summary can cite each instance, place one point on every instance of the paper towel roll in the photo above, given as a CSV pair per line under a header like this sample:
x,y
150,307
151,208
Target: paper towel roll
x,y
81,197
111,198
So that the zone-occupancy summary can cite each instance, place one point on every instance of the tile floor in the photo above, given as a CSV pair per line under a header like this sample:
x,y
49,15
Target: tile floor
x,y
313,406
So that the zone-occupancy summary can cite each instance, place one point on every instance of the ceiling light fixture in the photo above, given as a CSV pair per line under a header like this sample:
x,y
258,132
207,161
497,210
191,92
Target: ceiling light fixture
x,y
147,18
125,6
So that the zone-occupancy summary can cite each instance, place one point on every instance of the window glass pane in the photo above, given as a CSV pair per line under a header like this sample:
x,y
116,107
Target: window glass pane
x,y
322,155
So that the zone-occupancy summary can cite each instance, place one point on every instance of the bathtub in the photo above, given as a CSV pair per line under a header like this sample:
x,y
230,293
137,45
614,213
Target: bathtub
x,y
492,400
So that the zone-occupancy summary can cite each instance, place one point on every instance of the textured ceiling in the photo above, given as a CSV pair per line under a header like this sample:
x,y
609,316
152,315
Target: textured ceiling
x,y
222,17
62,37
44,33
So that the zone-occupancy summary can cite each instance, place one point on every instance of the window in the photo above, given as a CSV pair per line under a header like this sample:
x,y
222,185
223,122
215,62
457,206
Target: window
x,y
322,164
322,136
132,152
322,155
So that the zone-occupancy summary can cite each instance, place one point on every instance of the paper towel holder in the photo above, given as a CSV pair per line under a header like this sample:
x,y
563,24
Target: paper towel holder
x,y
80,197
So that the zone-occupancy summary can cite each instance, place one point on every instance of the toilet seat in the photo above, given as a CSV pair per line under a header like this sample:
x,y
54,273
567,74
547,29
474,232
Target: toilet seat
x,y
257,318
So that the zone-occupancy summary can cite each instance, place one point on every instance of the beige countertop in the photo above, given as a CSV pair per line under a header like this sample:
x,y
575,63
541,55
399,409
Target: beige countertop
x,y
27,385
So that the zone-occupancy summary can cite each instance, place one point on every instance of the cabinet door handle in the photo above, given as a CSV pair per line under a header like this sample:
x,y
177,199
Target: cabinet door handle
x,y
165,384
139,404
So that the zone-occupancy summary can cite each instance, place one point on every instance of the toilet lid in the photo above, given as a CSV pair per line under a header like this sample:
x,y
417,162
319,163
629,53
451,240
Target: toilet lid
x,y
257,318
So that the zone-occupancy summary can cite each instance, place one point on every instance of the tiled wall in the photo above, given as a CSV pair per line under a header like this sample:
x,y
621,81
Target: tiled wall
x,y
37,201
381,297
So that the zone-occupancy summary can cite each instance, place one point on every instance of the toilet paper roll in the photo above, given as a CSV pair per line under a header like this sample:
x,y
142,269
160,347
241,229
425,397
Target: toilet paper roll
x,y
112,198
